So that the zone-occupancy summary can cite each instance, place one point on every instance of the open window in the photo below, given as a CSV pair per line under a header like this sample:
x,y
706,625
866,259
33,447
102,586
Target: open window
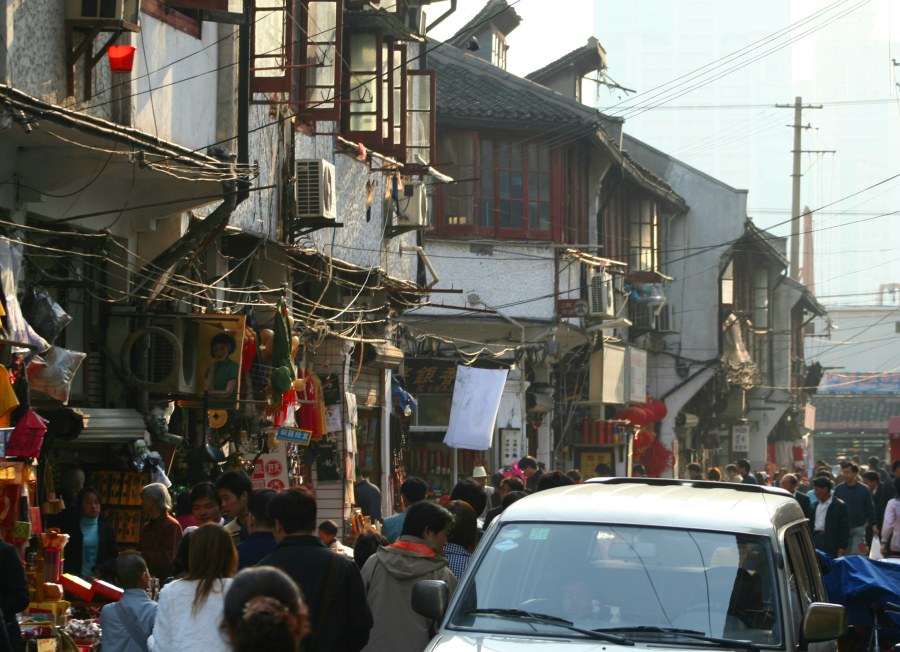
x,y
272,51
298,55
319,78
420,110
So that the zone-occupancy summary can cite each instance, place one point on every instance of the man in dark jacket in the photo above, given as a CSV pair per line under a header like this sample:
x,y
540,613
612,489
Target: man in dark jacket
x,y
743,466
332,586
13,596
829,520
529,467
788,482
368,496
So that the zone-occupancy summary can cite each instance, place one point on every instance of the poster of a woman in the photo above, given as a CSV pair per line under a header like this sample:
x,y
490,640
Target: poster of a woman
x,y
220,374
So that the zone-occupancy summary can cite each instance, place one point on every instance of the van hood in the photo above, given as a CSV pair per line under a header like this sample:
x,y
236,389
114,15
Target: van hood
x,y
500,643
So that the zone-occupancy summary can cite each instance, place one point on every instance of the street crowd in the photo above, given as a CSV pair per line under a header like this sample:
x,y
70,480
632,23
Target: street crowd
x,y
251,570
856,512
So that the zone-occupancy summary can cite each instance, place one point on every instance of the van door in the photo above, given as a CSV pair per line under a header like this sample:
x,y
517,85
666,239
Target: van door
x,y
804,583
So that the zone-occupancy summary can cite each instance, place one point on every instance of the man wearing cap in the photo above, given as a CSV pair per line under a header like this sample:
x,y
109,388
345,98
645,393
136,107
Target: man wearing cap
x,y
479,475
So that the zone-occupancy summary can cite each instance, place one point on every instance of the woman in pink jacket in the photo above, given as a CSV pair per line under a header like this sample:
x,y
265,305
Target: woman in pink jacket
x,y
890,529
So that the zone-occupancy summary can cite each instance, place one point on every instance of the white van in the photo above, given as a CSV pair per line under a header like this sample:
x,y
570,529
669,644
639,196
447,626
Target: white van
x,y
626,562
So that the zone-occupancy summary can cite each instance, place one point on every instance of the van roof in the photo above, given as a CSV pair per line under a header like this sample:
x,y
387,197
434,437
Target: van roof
x,y
661,502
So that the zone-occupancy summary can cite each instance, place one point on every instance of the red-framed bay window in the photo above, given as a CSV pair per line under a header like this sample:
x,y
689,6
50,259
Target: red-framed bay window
x,y
376,109
297,57
505,186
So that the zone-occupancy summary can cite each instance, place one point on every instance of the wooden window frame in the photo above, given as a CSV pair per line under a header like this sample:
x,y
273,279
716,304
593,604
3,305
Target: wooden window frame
x,y
371,138
168,13
487,192
303,105
266,84
408,156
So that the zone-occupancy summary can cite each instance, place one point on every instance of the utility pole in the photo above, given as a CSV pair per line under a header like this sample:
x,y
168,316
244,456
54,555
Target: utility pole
x,y
798,107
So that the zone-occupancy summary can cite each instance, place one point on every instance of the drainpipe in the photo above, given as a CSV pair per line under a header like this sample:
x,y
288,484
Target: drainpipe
x,y
243,98
442,17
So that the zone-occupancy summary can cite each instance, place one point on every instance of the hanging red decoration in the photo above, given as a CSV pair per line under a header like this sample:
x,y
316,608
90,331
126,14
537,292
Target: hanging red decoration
x,y
642,441
657,408
657,459
121,58
638,416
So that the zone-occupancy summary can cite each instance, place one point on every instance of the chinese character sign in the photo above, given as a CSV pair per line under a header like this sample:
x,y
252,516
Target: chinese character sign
x,y
740,439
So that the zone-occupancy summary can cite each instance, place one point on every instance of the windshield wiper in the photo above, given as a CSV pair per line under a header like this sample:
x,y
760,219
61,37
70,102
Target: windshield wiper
x,y
553,620
687,633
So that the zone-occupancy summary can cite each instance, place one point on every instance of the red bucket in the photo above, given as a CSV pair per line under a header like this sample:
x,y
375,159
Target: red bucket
x,y
121,58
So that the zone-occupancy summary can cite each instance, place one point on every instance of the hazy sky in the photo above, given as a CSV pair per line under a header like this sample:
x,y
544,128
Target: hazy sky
x,y
723,66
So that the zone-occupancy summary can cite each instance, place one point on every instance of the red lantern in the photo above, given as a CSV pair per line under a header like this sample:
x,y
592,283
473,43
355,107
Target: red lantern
x,y
657,408
638,416
121,58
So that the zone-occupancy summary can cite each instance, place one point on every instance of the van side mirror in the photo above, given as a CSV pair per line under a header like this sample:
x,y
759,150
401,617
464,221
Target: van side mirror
x,y
430,598
824,622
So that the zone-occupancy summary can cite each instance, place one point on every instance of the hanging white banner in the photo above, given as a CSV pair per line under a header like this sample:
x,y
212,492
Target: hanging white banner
x,y
476,399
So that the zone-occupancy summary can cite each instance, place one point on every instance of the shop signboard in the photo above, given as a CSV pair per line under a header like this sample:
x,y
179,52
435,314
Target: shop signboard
x,y
271,471
740,439
293,435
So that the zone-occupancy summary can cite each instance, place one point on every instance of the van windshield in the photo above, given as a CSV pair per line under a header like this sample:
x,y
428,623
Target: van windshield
x,y
638,581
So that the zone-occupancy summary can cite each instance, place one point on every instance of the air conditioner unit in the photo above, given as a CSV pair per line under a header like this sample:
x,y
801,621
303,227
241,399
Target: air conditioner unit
x,y
128,11
314,190
163,357
412,205
665,320
600,294
644,316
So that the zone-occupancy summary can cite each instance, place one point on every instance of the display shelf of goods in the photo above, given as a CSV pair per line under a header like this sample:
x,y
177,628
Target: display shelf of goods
x,y
120,496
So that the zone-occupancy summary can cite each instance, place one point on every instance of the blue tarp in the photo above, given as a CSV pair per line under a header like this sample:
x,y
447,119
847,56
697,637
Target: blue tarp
x,y
857,582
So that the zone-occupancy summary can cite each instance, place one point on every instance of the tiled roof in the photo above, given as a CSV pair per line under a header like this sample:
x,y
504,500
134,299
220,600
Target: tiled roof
x,y
499,12
855,412
587,57
472,88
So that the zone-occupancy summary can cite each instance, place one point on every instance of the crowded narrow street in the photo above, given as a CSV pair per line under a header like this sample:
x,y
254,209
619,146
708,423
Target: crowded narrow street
x,y
316,315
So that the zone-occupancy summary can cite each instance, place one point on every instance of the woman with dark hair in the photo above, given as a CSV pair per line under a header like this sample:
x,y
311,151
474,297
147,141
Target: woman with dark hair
x,y
91,551
462,537
366,545
190,609
714,473
264,612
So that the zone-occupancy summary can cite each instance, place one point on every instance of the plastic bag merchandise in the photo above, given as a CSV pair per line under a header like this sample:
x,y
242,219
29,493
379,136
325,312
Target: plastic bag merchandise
x,y
52,375
45,315
19,329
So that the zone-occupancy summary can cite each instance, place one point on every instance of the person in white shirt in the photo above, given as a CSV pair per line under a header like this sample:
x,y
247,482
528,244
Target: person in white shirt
x,y
189,614
829,520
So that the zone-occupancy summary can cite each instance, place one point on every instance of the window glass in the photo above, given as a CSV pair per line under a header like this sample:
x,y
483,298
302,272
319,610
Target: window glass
x,y
269,43
362,56
418,117
616,577
320,73
761,298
